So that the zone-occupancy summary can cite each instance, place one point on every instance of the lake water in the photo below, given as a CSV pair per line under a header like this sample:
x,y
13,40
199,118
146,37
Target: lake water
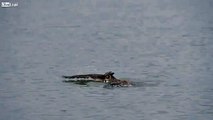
x,y
167,45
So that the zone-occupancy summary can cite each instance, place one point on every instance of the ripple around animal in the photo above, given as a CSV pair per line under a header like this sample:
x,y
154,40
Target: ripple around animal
x,y
105,85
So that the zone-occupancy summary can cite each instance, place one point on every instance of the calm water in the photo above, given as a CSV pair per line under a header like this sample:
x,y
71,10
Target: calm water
x,y
166,45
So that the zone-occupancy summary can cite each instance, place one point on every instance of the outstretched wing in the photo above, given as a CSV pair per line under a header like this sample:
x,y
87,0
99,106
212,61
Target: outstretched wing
x,y
86,77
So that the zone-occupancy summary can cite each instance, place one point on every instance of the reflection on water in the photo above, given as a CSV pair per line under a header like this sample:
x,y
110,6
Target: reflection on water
x,y
90,83
163,47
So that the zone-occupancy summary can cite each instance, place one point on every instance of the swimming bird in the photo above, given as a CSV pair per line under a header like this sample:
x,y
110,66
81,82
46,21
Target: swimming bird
x,y
107,78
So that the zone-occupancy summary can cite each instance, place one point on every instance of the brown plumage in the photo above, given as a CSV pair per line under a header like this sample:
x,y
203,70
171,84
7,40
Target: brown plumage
x,y
106,78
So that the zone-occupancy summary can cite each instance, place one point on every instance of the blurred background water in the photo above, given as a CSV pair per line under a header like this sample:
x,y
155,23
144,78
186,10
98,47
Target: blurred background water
x,y
165,44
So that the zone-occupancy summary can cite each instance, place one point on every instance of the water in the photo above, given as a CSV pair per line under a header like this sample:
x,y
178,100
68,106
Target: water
x,y
167,45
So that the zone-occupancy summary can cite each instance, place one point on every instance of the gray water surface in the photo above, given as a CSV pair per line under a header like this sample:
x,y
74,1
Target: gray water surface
x,y
166,44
